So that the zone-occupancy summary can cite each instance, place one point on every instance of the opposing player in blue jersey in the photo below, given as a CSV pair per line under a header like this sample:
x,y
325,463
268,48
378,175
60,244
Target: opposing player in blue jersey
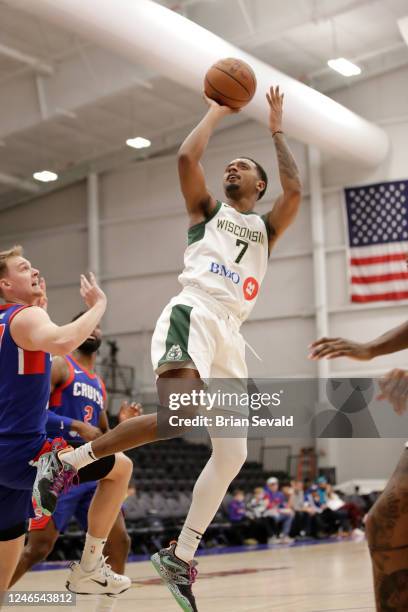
x,y
77,413
27,338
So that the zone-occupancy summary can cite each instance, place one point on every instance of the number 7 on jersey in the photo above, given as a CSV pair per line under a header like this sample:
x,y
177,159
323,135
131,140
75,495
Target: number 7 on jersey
x,y
242,252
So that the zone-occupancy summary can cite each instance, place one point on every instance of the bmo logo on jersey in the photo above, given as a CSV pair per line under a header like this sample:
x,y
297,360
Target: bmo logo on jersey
x,y
222,270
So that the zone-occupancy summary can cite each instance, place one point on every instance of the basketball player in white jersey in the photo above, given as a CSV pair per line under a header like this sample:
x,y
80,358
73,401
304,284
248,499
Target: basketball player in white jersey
x,y
197,335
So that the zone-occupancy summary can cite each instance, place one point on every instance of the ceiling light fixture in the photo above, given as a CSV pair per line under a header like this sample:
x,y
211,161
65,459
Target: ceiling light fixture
x,y
138,142
45,176
344,66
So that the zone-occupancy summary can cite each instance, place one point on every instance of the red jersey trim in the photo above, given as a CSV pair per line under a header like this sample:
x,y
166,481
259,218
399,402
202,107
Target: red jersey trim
x,y
87,372
102,383
17,311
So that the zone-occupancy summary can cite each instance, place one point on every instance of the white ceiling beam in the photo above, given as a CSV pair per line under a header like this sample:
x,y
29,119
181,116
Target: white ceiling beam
x,y
30,60
18,183
165,41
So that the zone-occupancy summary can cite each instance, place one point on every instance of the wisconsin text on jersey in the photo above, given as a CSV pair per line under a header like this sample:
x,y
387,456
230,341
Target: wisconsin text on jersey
x,y
241,232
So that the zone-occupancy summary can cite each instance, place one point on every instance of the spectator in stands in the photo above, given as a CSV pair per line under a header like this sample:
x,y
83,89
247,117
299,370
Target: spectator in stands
x,y
349,513
257,512
321,483
279,510
306,523
237,514
339,515
258,504
246,528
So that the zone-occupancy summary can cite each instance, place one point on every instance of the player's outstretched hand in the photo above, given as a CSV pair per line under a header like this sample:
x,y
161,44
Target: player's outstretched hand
x,y
394,388
90,291
331,348
128,411
220,108
275,101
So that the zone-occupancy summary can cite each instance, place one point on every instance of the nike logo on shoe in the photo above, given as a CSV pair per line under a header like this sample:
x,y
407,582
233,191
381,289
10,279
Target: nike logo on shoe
x,y
103,584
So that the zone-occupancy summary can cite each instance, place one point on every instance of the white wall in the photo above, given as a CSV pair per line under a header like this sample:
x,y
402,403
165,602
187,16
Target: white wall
x,y
143,235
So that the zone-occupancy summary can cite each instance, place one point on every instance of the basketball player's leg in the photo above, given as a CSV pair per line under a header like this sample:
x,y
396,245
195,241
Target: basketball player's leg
x,y
229,445
387,535
92,575
118,545
227,457
10,551
15,509
174,564
44,530
40,543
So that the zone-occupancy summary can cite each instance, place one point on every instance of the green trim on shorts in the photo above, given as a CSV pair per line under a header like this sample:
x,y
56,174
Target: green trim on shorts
x,y
177,335
197,232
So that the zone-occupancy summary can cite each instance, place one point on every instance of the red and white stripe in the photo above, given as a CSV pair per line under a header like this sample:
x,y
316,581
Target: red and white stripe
x,y
379,273
31,362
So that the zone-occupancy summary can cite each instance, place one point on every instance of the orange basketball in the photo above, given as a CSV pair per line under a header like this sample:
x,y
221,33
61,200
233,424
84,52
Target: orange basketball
x,y
230,82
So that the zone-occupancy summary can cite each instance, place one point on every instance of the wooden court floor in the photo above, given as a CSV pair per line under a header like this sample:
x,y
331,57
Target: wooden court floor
x,y
333,577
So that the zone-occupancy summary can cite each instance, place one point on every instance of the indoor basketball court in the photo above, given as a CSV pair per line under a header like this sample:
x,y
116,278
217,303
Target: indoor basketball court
x,y
313,578
203,297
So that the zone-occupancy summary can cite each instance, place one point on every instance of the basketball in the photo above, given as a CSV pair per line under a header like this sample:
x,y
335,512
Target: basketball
x,y
230,82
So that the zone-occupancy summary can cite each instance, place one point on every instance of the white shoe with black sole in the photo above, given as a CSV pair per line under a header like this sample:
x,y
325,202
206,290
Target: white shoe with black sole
x,y
100,581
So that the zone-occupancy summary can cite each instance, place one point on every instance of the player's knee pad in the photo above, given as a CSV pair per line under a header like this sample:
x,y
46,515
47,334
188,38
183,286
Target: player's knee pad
x,y
13,532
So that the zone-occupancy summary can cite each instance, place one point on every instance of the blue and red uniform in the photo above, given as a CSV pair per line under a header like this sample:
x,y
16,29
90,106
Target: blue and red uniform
x,y
25,378
81,397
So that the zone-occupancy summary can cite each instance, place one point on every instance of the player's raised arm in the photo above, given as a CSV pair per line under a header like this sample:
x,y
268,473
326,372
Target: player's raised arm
x,y
286,206
33,330
392,341
199,201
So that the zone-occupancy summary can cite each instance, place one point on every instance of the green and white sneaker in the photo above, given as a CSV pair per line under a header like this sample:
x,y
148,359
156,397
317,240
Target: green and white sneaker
x,y
177,575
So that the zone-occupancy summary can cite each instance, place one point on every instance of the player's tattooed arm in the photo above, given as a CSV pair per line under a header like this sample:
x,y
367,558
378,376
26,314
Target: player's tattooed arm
x,y
286,206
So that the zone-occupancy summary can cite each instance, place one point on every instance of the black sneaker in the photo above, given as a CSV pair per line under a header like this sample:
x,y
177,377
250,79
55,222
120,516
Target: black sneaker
x,y
177,575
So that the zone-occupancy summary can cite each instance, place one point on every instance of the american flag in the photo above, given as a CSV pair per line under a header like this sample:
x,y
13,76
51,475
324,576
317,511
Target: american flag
x,y
377,218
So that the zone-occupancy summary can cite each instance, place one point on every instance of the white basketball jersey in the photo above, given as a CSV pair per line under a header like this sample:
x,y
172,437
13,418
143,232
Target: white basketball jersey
x,y
227,256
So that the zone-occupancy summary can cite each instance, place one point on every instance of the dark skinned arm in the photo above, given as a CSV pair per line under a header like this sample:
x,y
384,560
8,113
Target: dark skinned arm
x,y
199,202
392,341
287,204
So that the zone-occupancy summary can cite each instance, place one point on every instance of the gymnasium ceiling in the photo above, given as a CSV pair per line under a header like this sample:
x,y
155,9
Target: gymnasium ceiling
x,y
68,106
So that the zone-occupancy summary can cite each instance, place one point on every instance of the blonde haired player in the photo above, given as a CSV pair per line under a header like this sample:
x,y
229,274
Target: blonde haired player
x,y
197,335
27,339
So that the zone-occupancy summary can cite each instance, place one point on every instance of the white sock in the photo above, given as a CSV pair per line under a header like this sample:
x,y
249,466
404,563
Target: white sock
x,y
79,457
92,552
187,543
